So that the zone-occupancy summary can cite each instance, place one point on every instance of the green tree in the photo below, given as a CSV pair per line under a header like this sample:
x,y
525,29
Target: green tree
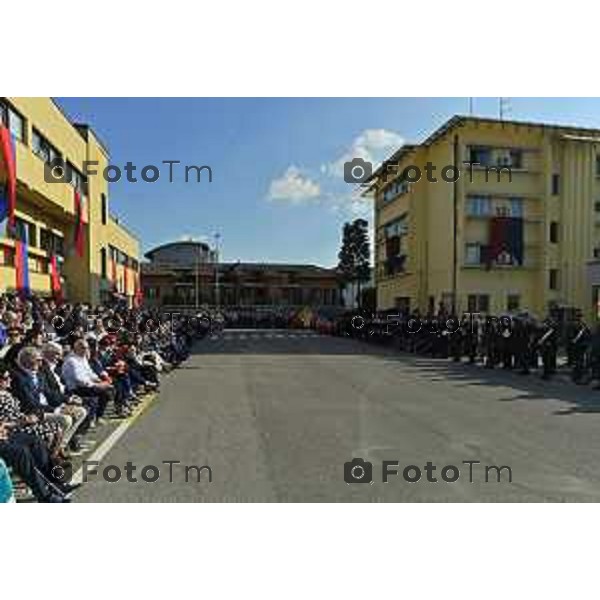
x,y
354,265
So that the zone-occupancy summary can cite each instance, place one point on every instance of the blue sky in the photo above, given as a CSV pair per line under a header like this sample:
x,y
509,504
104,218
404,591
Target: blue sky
x,y
277,192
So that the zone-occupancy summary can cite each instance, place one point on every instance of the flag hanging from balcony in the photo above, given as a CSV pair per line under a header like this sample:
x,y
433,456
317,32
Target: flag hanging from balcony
x,y
113,275
506,241
22,263
125,283
79,221
9,159
55,279
138,295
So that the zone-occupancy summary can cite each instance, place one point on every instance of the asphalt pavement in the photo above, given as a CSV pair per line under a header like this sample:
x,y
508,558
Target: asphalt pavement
x,y
273,416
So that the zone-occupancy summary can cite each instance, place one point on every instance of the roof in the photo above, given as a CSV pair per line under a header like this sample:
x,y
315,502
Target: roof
x,y
81,128
459,121
248,266
194,243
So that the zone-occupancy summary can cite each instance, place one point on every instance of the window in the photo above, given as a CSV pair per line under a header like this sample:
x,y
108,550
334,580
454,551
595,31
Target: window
x,y
397,187
554,232
396,227
7,256
481,155
431,305
478,303
103,269
51,242
513,302
13,120
478,206
104,208
472,254
553,279
516,207
597,165
597,206
26,232
402,303
59,245
555,184
16,124
38,264
516,159
76,178
42,147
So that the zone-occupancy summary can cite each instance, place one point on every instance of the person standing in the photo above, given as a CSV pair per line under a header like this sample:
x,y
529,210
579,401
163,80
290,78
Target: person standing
x,y
580,344
548,345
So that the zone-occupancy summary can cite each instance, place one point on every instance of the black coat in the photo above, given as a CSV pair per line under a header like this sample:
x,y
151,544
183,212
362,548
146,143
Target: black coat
x,y
29,394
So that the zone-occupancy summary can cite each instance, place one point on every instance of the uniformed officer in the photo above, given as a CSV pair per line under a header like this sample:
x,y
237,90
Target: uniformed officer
x,y
580,344
548,346
595,356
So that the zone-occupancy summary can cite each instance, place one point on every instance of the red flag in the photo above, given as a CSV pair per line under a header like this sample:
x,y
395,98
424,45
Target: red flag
x,y
22,265
138,296
79,230
9,158
125,286
113,264
55,279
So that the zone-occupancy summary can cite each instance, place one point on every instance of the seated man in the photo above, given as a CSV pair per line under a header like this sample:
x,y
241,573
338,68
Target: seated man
x,y
29,459
52,354
35,395
80,379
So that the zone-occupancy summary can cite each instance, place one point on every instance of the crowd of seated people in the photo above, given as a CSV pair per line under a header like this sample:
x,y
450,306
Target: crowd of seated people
x,y
63,369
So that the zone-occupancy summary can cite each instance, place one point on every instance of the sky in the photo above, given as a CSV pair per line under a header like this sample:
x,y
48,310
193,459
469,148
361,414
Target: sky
x,y
277,191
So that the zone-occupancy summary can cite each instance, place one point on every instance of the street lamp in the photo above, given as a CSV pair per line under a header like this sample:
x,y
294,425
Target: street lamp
x,y
197,285
216,259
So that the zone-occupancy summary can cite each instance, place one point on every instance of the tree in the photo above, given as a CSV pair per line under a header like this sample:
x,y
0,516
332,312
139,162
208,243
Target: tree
x,y
353,265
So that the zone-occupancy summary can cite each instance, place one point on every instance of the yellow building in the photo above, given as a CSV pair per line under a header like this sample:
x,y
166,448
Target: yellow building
x,y
47,210
441,241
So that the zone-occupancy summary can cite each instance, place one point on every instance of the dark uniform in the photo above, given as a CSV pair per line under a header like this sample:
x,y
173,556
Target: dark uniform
x,y
471,337
490,343
580,344
548,347
595,356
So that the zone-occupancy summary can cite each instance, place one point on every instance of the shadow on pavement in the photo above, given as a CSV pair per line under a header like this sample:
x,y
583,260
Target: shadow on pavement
x,y
581,398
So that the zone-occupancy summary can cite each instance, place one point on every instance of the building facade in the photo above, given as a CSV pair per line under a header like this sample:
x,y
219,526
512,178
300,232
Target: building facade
x,y
187,274
47,214
515,231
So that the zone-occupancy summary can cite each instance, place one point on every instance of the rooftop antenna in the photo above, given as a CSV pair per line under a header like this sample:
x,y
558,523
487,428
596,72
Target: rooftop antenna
x,y
503,107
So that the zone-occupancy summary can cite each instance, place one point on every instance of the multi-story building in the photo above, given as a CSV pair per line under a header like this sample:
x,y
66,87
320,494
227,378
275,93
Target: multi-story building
x,y
186,274
47,213
515,229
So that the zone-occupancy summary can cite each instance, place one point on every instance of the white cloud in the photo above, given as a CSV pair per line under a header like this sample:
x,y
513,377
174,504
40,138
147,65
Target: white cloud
x,y
372,145
352,205
293,186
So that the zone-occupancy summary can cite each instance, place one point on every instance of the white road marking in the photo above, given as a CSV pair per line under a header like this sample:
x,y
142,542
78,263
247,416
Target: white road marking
x,y
104,448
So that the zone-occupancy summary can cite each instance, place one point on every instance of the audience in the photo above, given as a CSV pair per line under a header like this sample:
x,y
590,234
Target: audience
x,y
63,369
